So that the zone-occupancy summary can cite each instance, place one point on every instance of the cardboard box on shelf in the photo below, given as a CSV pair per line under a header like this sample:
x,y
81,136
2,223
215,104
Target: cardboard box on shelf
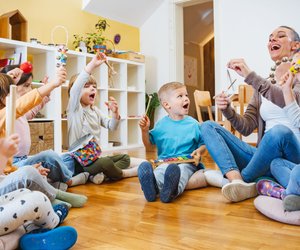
x,y
132,56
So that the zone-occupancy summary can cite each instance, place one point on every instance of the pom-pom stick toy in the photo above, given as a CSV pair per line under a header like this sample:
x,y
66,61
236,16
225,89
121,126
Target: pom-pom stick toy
x,y
10,121
26,67
178,160
295,68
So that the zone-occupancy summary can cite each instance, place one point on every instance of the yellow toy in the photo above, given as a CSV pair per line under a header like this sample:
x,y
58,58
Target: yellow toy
x,y
295,68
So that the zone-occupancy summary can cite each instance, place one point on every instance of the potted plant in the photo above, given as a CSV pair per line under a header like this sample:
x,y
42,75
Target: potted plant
x,y
79,43
95,40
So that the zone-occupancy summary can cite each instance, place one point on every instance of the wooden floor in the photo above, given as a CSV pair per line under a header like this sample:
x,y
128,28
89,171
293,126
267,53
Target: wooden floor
x,y
117,216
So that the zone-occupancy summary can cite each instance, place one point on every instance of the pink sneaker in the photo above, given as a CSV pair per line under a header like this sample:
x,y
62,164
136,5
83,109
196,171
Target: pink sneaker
x,y
269,188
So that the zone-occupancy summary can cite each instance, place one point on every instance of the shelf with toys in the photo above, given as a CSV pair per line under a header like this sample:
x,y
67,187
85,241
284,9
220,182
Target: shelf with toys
x,y
124,80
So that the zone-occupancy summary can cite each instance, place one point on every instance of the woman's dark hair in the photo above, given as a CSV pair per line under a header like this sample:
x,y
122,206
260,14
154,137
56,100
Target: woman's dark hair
x,y
24,77
294,32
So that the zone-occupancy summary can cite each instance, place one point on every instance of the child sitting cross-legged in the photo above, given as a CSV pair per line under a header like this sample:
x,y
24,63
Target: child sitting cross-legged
x,y
176,134
24,211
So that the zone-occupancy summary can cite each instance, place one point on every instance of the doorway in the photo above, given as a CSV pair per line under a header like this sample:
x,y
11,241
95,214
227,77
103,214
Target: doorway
x,y
198,36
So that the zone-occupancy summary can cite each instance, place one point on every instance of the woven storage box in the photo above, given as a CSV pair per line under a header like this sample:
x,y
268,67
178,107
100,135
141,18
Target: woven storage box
x,y
42,136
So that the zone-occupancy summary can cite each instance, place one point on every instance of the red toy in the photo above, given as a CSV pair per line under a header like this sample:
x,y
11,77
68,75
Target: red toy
x,y
26,67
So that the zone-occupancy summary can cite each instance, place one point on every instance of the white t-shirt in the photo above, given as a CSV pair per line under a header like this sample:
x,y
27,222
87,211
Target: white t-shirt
x,y
274,115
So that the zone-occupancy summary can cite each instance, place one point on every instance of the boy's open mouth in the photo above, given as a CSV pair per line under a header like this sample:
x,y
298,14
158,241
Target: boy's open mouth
x,y
186,106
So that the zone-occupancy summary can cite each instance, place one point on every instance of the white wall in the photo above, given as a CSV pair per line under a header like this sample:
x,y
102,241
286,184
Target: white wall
x,y
242,29
155,35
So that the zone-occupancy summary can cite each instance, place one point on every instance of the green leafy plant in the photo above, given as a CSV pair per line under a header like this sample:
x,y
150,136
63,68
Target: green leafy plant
x,y
93,38
77,40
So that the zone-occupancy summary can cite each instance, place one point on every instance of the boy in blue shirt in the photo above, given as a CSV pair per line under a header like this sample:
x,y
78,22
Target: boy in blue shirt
x,y
175,135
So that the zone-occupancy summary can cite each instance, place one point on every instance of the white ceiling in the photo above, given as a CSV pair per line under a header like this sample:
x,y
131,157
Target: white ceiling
x,y
132,12
198,22
198,19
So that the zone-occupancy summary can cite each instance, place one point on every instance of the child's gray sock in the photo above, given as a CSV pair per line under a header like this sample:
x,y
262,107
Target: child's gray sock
x,y
57,201
79,179
76,200
291,202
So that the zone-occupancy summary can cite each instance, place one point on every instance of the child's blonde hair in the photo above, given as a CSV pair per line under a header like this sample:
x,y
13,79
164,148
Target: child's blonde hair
x,y
91,81
5,82
166,88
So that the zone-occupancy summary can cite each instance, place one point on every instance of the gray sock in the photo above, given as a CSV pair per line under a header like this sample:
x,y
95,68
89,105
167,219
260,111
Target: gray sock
x,y
291,202
60,185
76,200
79,179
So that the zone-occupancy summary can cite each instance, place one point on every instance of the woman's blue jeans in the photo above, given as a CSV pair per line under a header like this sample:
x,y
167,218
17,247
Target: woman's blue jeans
x,y
230,153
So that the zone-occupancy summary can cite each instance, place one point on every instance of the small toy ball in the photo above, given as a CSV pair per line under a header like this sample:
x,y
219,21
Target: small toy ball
x,y
26,67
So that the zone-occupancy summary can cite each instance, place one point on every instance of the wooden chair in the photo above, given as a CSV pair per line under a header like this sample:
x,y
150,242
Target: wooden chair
x,y
245,92
203,102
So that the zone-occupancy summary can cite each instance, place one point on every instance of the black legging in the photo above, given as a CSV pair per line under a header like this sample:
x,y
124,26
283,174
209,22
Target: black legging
x,y
111,166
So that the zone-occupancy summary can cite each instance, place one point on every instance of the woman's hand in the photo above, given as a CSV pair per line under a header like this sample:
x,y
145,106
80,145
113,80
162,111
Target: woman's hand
x,y
222,101
239,66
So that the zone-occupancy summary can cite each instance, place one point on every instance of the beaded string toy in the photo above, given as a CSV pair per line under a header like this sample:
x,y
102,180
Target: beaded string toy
x,y
273,69
179,159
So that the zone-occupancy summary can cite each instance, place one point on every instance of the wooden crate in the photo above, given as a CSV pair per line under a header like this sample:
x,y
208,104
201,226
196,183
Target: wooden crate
x,y
42,136
131,56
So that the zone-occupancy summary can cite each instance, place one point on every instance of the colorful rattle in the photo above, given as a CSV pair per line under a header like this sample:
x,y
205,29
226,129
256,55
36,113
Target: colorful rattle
x,y
295,68
61,53
180,159
61,56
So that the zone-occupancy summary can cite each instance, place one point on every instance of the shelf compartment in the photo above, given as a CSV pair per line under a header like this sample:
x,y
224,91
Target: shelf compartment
x,y
120,97
118,136
136,104
134,133
135,77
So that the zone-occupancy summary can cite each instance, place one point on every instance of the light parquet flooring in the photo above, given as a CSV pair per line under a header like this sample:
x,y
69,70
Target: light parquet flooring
x,y
117,216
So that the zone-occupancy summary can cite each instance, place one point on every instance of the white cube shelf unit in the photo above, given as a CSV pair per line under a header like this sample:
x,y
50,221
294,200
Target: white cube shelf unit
x,y
127,86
